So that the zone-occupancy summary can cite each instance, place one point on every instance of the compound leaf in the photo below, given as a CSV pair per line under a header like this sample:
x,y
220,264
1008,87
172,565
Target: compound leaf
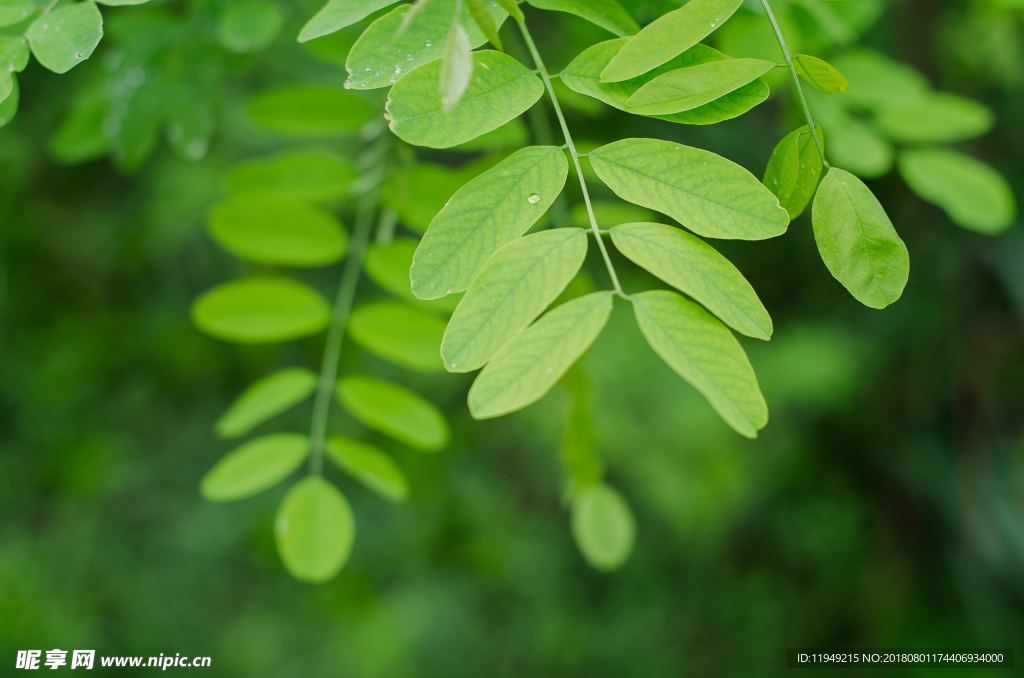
x,y
403,335
603,526
394,411
708,194
338,14
696,269
706,354
501,89
370,466
259,310
667,36
255,466
492,209
67,36
277,231
685,89
267,398
973,194
526,369
608,14
516,284
315,529
583,75
857,240
794,170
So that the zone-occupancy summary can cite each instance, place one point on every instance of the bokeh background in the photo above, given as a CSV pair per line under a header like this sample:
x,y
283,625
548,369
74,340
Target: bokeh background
x,y
883,506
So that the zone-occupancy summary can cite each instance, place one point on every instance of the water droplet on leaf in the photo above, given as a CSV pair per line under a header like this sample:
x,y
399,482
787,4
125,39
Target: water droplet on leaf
x,y
533,199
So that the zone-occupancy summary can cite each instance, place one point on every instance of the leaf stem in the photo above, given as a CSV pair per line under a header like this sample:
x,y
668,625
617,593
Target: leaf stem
x,y
336,333
543,71
796,81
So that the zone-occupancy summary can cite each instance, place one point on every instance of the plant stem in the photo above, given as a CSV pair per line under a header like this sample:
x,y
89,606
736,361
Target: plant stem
x,y
796,81
336,332
543,71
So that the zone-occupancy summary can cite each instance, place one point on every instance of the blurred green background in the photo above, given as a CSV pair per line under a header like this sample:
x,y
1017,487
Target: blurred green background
x,y
882,507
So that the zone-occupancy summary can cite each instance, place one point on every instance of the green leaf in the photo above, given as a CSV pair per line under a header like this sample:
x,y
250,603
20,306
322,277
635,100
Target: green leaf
x,y
67,36
310,110
668,36
338,14
685,89
418,192
265,399
608,14
457,66
313,176
315,530
6,85
403,335
820,73
933,119
696,269
512,7
370,466
484,21
259,310
496,207
388,266
603,526
794,170
249,25
857,241
533,362
405,38
16,11
708,194
277,231
973,194
9,105
13,54
255,466
516,284
501,89
394,411
583,75
706,354
876,80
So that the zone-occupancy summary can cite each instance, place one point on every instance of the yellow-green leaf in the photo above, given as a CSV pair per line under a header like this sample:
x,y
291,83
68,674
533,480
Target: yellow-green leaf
x,y
403,335
65,37
667,36
608,14
265,399
315,529
255,466
515,286
973,194
310,110
857,241
501,89
794,170
820,73
388,266
277,231
533,362
394,411
603,526
706,354
494,208
708,194
933,119
339,14
314,175
685,89
370,466
696,269
260,310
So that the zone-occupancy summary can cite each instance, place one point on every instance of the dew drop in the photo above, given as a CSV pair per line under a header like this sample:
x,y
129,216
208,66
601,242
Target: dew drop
x,y
430,43
409,57
398,70
348,83
533,199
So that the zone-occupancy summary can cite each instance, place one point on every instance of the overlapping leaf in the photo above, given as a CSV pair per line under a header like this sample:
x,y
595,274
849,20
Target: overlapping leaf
x,y
370,466
65,37
398,333
794,170
685,89
339,14
608,14
516,284
534,361
494,208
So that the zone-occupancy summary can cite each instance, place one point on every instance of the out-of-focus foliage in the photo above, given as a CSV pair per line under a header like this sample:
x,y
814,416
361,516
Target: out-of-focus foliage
x,y
881,506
